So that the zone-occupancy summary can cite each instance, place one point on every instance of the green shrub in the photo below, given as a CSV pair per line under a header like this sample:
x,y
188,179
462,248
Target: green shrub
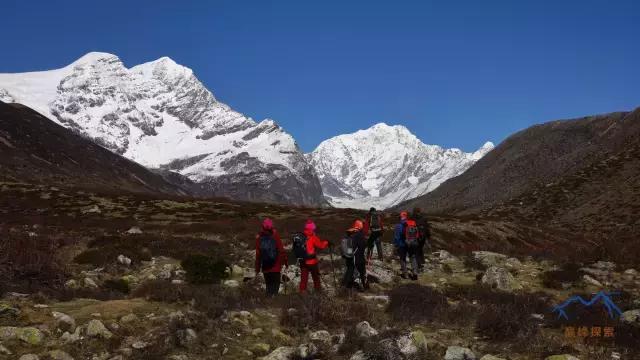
x,y
202,269
119,285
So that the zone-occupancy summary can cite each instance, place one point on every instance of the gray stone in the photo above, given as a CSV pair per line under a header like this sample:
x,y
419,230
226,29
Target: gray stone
x,y
306,351
281,353
130,318
500,278
491,357
89,283
4,350
631,317
71,337
59,355
322,336
459,353
134,231
406,345
488,258
231,283
591,281
96,328
64,322
187,337
29,357
364,329
123,260
562,357
30,335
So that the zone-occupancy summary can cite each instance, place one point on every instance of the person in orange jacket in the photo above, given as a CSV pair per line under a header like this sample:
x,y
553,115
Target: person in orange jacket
x,y
310,265
270,256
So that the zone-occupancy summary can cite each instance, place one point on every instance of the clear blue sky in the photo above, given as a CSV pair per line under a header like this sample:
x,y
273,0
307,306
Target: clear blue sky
x,y
456,73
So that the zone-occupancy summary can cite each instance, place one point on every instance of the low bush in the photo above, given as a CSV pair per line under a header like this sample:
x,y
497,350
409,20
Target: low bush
x,y
568,274
415,303
202,269
319,310
119,285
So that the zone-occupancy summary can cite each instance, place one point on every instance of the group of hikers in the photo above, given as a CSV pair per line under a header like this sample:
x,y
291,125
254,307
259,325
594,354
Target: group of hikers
x,y
410,236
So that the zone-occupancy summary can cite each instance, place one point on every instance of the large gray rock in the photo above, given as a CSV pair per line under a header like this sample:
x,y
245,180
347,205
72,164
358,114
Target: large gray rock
x,y
322,336
364,329
459,353
29,357
500,278
281,353
64,322
96,328
489,258
631,317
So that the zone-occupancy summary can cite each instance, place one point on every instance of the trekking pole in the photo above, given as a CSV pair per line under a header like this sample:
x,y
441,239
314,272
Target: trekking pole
x,y
333,269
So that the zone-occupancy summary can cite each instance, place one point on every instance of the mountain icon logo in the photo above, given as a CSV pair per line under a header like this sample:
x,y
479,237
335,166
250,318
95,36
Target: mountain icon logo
x,y
601,297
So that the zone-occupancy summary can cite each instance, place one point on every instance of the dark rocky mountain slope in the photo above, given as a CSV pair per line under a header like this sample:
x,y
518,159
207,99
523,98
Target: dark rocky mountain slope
x,y
34,149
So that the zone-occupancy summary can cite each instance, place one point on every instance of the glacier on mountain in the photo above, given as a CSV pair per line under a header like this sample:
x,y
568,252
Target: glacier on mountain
x,y
385,165
161,116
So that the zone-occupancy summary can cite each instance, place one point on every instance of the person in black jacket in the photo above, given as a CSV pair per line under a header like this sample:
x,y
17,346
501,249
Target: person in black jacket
x,y
356,260
425,235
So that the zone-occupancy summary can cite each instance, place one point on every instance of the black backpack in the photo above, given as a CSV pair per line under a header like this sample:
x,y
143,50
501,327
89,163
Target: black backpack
x,y
347,248
268,251
300,247
374,222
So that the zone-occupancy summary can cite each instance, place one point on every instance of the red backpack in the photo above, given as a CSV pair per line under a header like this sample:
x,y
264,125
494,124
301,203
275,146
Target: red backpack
x,y
411,234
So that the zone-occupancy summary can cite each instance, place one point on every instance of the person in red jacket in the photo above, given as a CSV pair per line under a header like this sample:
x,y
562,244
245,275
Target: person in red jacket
x,y
270,256
310,266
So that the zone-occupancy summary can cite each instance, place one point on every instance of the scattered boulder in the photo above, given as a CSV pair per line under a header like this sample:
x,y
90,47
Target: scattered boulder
x,y
231,283
59,355
71,337
445,256
322,336
29,357
388,350
406,345
123,260
631,317
359,355
134,231
281,353
364,329
591,281
71,284
92,210
4,350
89,283
96,328
500,278
7,310
187,337
30,335
488,258
64,322
513,264
491,357
260,349
561,357
307,351
130,318
459,353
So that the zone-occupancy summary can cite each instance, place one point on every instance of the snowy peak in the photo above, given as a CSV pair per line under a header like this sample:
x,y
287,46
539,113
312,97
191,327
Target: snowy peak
x,y
384,165
160,115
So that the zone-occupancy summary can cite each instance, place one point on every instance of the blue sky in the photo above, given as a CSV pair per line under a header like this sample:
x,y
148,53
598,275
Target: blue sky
x,y
456,73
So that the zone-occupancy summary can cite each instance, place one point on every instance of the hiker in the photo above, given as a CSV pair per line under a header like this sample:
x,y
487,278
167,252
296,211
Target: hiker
x,y
353,252
405,239
425,235
270,256
373,228
305,245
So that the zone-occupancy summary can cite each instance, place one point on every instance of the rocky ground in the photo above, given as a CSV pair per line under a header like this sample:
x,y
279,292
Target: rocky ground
x,y
89,276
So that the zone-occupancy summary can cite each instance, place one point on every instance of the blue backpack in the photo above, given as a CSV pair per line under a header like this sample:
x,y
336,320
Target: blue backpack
x,y
268,251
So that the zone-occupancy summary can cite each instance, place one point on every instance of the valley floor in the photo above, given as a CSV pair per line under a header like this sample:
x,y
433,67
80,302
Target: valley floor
x,y
99,276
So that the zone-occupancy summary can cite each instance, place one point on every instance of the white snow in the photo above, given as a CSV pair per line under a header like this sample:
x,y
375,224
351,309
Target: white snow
x,y
385,165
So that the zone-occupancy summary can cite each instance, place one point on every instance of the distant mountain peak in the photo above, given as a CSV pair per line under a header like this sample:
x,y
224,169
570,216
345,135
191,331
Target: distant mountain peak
x,y
384,165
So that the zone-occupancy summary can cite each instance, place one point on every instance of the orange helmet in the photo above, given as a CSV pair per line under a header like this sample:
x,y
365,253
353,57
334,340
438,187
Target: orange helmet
x,y
357,225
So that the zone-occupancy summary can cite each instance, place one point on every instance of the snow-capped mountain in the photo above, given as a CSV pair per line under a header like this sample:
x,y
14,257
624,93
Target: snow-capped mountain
x,y
161,116
385,165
